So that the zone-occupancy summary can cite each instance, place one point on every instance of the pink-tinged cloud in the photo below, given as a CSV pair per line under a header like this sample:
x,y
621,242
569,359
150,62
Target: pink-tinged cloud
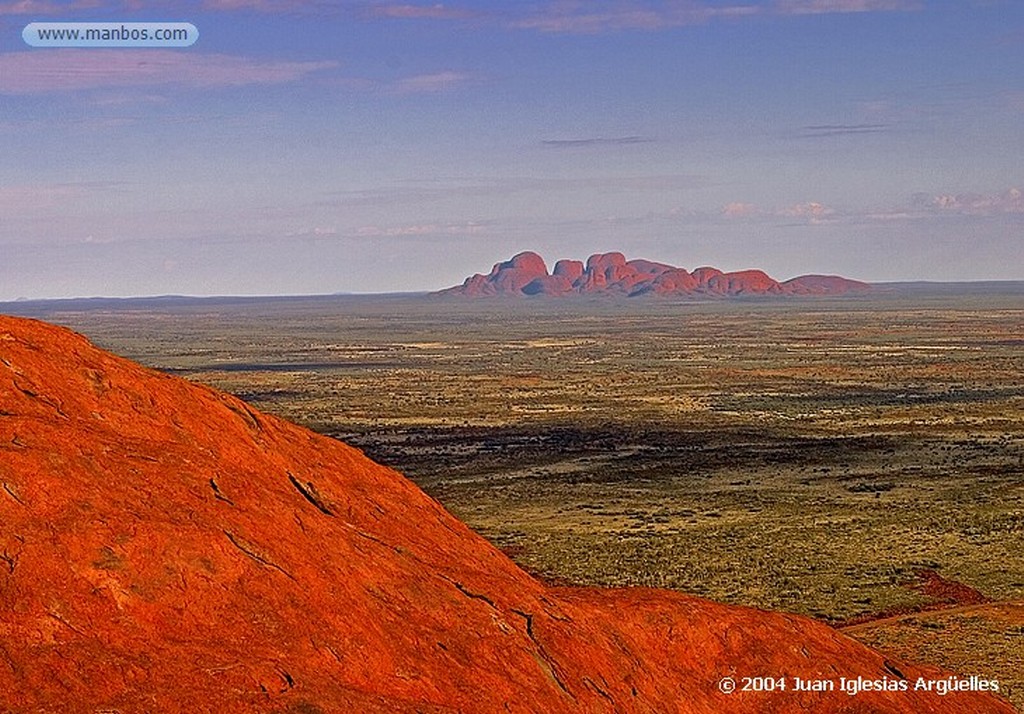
x,y
597,17
739,210
421,12
430,83
121,99
973,204
20,199
79,69
812,210
921,207
422,229
275,6
825,7
44,7
314,232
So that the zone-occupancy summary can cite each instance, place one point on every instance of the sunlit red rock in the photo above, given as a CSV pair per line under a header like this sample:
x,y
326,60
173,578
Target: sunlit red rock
x,y
548,285
611,274
672,281
569,269
705,273
509,277
744,282
164,547
822,285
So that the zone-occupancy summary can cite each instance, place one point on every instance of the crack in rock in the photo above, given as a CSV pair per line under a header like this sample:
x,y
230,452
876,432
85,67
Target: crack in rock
x,y
547,663
468,593
247,548
12,493
310,493
218,495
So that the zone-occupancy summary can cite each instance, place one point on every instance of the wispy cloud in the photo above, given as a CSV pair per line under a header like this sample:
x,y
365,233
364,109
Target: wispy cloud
x,y
824,7
357,9
72,69
946,206
569,17
921,206
22,198
44,7
738,209
411,192
595,141
437,11
430,83
437,82
811,212
604,16
971,204
825,130
314,232
421,229
269,6
122,99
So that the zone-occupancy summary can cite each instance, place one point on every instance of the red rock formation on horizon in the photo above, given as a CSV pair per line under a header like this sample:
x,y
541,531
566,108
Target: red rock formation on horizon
x,y
610,273
166,548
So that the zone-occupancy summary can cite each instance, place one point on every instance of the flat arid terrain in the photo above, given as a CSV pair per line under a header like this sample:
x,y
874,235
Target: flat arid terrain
x,y
167,547
857,460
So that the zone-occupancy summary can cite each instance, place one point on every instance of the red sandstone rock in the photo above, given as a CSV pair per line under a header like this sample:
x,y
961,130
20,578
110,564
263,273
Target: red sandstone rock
x,y
649,267
602,262
611,273
744,282
515,274
823,285
549,285
673,281
166,548
508,278
703,274
570,269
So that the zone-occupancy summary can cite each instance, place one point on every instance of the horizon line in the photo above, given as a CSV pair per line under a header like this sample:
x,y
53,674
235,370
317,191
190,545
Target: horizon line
x,y
420,293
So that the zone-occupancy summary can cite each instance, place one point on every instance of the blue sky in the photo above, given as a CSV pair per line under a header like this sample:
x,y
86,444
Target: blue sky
x,y
312,147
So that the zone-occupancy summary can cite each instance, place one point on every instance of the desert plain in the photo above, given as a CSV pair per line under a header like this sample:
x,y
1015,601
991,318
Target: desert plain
x,y
859,459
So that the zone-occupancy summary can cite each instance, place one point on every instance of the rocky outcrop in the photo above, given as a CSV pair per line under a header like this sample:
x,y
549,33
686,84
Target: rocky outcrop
x,y
508,278
821,285
165,547
612,274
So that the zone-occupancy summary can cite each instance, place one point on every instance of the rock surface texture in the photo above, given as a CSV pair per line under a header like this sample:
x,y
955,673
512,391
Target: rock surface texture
x,y
166,548
612,274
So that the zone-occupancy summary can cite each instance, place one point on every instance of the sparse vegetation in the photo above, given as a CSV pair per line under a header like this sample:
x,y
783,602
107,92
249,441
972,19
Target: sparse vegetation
x,y
808,456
